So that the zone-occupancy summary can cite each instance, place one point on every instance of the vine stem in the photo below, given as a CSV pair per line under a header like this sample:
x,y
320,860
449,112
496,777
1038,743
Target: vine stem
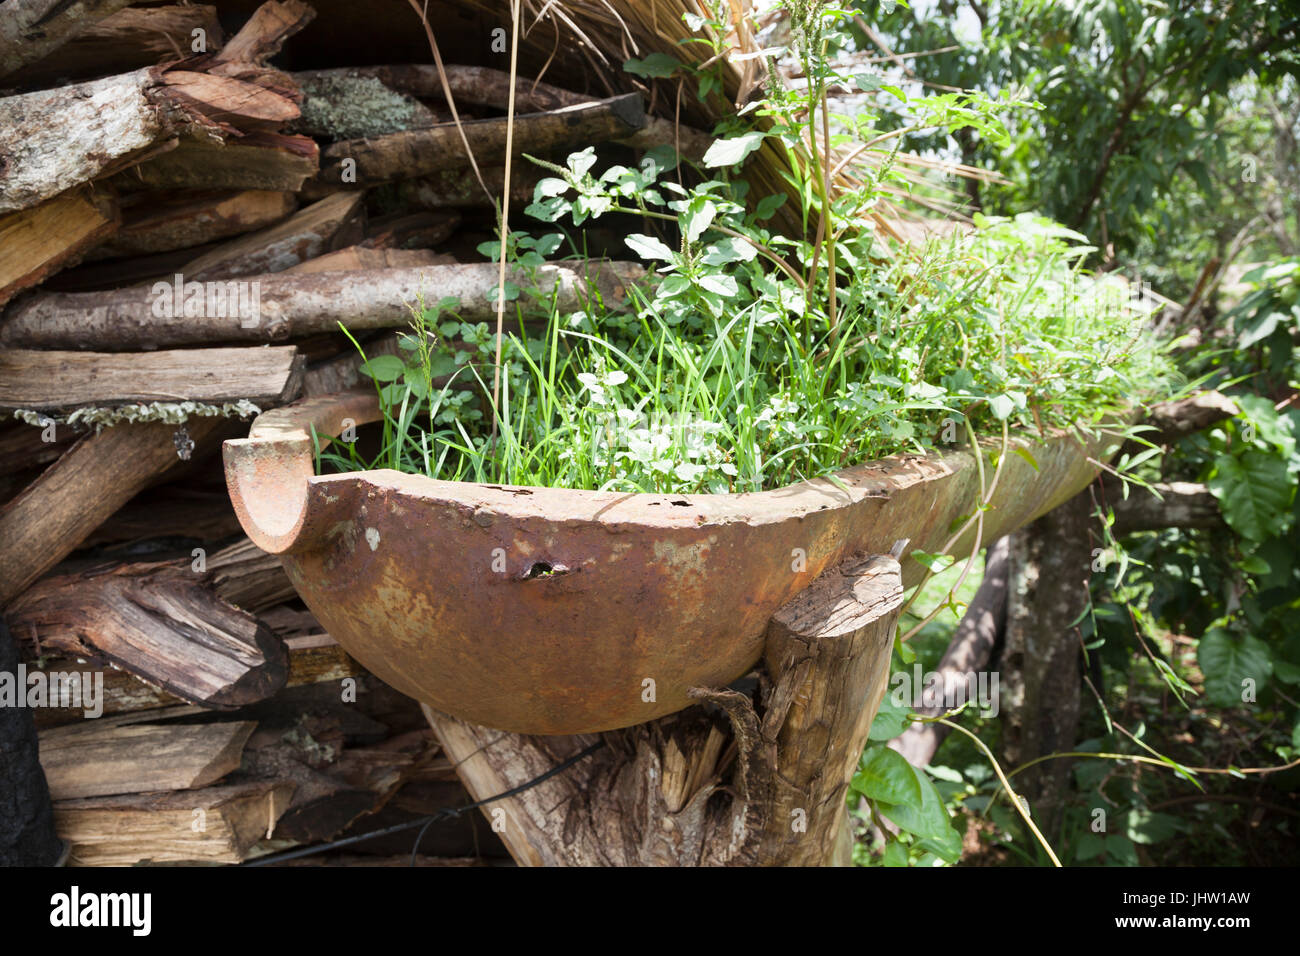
x,y
986,496
1006,785
515,14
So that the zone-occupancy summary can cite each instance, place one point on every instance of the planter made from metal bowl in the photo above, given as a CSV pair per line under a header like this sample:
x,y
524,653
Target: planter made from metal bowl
x,y
552,611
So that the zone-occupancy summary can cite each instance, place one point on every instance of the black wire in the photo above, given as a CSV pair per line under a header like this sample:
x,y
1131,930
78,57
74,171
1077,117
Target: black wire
x,y
449,813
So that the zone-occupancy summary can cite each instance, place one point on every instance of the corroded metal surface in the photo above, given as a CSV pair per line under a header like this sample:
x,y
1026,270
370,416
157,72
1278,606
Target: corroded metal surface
x,y
551,611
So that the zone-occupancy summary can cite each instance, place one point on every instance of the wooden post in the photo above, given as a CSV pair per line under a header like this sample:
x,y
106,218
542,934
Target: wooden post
x,y
766,786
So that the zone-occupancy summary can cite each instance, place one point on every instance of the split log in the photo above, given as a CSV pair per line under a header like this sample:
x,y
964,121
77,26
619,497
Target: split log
x,y
139,752
98,475
295,306
26,821
32,29
358,163
188,220
52,140
220,824
248,577
257,161
646,798
127,40
335,786
1182,504
64,380
261,37
160,622
313,659
43,239
303,236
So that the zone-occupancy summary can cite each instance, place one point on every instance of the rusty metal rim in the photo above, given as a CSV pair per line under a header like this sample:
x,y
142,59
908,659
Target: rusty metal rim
x,y
284,507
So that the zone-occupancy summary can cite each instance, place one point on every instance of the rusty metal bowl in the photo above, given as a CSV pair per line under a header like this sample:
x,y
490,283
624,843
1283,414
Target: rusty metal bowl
x,y
551,611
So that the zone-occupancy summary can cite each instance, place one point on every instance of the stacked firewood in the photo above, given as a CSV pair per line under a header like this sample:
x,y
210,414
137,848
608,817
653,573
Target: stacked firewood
x,y
183,226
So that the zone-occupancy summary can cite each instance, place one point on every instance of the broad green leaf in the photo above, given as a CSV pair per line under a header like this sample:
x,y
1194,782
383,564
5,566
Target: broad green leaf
x,y
719,284
1146,827
1254,492
890,721
895,854
933,562
385,368
697,216
928,819
648,247
1228,661
885,775
656,65
728,152
729,250
1002,406
768,205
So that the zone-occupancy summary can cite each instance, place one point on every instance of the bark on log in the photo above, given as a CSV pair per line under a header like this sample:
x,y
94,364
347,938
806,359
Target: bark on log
x,y
52,140
161,827
188,220
305,235
162,623
139,752
26,820
646,797
32,29
358,163
294,306
127,40
43,239
969,652
98,475
452,189
46,380
484,86
337,106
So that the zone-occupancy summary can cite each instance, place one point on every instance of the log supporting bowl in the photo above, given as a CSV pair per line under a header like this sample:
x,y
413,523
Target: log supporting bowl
x,y
549,611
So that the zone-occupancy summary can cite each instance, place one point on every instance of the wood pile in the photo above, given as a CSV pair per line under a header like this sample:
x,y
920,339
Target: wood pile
x,y
192,199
